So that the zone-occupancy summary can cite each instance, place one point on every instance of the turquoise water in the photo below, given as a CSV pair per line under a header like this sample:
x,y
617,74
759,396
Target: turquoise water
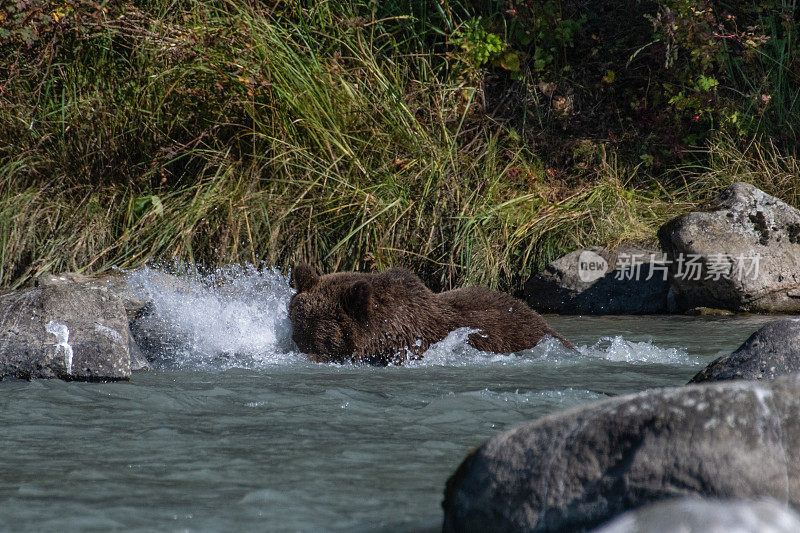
x,y
232,431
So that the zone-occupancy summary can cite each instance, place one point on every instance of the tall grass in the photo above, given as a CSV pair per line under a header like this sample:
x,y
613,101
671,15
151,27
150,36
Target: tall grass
x,y
232,131
759,163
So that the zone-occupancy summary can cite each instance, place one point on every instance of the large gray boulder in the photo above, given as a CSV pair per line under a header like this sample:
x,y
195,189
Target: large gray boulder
x,y
601,281
696,515
66,330
742,255
116,283
579,468
772,351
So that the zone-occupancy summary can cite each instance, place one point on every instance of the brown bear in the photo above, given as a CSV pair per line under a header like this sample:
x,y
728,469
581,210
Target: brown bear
x,y
390,317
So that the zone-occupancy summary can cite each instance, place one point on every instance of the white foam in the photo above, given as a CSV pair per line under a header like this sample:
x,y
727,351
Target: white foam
x,y
454,350
618,349
61,332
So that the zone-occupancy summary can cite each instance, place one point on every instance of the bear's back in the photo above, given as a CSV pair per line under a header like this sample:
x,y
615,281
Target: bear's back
x,y
405,318
506,324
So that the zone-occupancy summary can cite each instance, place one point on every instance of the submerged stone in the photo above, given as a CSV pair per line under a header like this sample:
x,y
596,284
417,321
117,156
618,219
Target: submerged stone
x,y
708,311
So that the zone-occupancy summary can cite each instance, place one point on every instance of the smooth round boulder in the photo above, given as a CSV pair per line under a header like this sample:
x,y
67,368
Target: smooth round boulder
x,y
116,283
578,468
772,351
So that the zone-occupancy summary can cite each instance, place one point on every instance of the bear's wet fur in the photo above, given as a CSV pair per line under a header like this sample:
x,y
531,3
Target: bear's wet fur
x,y
392,316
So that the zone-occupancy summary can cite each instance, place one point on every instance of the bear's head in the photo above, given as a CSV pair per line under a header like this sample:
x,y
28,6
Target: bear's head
x,y
329,313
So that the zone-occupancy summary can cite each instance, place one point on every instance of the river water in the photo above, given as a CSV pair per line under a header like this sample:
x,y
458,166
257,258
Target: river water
x,y
233,431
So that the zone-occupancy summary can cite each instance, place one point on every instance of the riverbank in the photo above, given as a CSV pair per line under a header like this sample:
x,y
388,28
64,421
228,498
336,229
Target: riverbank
x,y
470,144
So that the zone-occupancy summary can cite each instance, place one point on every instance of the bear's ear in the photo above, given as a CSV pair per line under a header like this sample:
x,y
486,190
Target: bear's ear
x,y
356,300
304,277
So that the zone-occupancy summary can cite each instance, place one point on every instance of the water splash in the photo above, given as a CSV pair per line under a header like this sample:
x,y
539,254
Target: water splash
x,y
618,349
232,317
455,351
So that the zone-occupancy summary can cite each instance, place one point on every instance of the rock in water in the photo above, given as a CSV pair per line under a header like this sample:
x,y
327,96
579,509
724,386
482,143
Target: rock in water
x,y
116,283
67,330
743,255
579,468
695,515
772,351
138,359
601,281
